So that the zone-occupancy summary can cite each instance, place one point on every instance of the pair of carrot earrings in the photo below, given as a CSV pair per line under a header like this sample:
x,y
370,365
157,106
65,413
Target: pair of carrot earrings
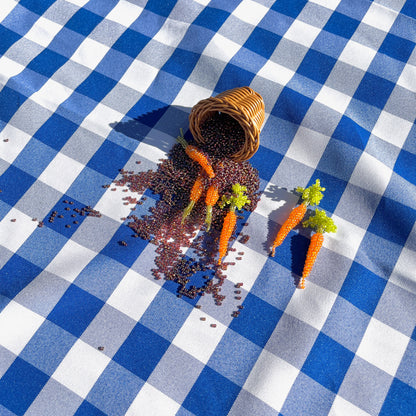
x,y
320,222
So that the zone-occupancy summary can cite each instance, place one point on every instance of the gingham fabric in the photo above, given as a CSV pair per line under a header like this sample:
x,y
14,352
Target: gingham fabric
x,y
89,87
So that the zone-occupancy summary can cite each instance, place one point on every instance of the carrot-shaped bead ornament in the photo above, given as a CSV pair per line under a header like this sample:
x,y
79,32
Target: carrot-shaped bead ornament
x,y
236,200
210,200
196,155
310,196
196,192
321,223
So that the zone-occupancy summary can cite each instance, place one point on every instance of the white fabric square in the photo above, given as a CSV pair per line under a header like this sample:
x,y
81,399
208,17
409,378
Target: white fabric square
x,y
392,129
61,172
334,99
190,94
43,31
133,295
380,17
357,55
51,95
90,53
17,325
221,48
18,139
247,270
276,73
152,402
271,379
407,78
152,152
250,12
139,76
340,406
100,119
311,305
371,174
14,233
404,274
70,261
171,33
124,13
8,69
383,346
80,368
6,7
302,33
197,338
79,3
307,147
346,241
329,4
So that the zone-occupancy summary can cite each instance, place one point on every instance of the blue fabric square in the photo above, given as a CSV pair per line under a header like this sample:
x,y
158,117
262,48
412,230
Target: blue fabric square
x,y
10,101
339,159
14,183
109,159
289,8
148,111
131,42
47,62
374,90
47,348
341,25
233,76
262,41
83,22
141,351
393,221
406,166
96,86
20,385
350,132
266,170
42,246
8,38
36,6
328,362
258,323
291,106
115,390
316,66
227,361
211,18
166,314
181,63
75,310
15,275
353,8
75,107
212,394
114,65
162,8
400,400
34,157
397,47
56,131
357,285
330,44
409,9
87,409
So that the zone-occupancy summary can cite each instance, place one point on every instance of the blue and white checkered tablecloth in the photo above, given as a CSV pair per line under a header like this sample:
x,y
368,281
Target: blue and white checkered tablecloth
x,y
89,87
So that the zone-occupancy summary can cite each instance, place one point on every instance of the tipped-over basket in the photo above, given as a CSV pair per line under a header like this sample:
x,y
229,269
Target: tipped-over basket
x,y
243,104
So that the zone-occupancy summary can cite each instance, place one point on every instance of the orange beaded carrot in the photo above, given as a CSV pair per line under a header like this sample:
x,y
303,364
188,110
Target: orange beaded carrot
x,y
322,223
196,155
237,200
210,200
196,193
310,196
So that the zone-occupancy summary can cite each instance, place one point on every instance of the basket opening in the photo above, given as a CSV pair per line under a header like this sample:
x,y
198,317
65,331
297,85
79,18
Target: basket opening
x,y
222,134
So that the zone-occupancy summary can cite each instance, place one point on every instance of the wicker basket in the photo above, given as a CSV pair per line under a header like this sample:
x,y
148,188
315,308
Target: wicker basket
x,y
244,105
